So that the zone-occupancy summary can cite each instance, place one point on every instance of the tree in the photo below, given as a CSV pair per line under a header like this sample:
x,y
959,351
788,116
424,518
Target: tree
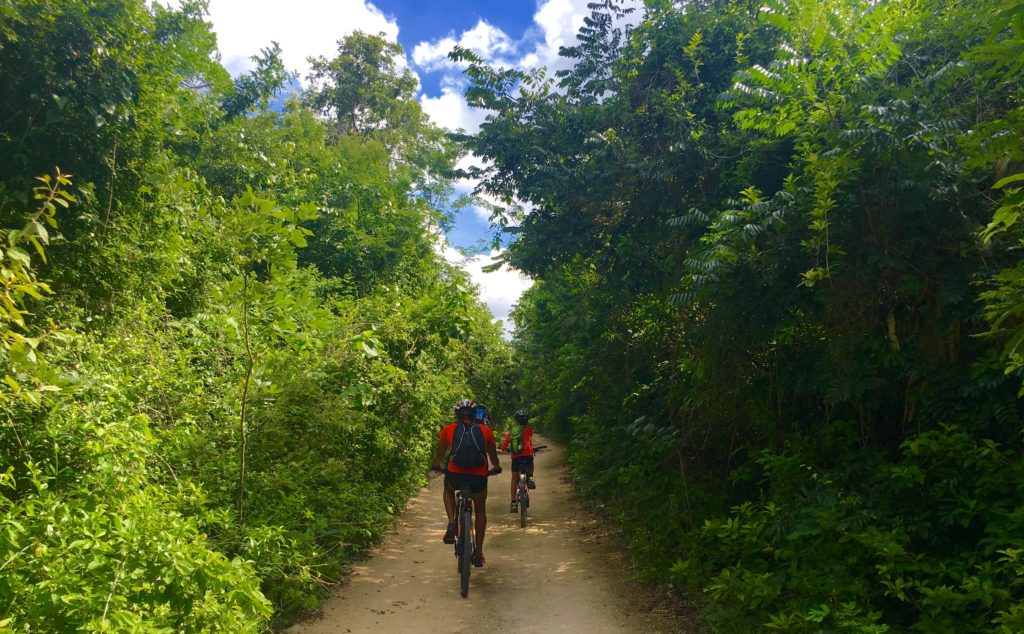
x,y
256,88
362,90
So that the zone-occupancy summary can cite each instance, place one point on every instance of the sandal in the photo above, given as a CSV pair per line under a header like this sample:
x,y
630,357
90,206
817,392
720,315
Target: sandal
x,y
478,560
449,535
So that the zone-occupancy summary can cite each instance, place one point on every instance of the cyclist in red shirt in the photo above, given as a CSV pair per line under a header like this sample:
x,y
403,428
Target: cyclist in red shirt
x,y
457,436
522,455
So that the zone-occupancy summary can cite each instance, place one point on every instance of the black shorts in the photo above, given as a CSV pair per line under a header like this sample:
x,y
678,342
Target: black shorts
x,y
519,464
454,481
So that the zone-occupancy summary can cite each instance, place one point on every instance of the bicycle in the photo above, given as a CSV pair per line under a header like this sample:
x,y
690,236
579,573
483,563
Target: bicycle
x,y
523,492
465,537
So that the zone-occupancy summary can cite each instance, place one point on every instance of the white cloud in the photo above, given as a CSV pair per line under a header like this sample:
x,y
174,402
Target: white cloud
x,y
433,56
499,290
451,111
559,21
303,28
486,40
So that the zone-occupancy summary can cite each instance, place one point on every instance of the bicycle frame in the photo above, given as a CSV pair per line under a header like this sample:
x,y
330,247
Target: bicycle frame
x,y
464,504
465,540
523,490
523,498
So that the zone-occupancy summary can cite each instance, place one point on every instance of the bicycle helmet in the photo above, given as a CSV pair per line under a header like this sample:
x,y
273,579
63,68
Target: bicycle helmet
x,y
465,409
522,416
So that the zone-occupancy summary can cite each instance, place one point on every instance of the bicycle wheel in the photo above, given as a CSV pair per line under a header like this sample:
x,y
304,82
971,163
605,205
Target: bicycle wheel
x,y
458,535
524,501
466,557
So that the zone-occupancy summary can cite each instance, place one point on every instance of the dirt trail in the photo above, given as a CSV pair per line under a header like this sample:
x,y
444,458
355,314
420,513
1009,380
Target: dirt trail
x,y
560,574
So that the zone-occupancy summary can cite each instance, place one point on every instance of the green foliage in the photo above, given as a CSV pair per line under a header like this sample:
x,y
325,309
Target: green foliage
x,y
19,344
768,313
266,337
96,546
362,91
78,557
255,89
929,536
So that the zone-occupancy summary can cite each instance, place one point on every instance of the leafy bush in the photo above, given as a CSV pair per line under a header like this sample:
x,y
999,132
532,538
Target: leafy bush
x,y
91,543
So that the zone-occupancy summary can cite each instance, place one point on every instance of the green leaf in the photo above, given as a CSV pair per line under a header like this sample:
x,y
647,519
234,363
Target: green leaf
x,y
20,256
1003,182
296,237
36,229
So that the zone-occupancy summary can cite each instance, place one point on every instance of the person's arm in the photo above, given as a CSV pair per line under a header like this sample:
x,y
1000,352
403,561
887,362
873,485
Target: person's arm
x,y
493,452
504,443
440,451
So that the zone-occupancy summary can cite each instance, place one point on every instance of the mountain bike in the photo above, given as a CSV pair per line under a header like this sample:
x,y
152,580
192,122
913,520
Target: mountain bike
x,y
523,492
465,536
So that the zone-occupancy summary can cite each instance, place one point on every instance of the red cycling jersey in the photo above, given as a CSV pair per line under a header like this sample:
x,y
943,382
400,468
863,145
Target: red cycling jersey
x,y
446,437
527,442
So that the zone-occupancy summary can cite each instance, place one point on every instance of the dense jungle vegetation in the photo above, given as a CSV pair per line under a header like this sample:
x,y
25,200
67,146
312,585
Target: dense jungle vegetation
x,y
778,309
779,298
227,336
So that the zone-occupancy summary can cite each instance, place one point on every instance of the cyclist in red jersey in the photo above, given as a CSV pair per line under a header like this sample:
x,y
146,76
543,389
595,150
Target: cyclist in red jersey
x,y
522,460
476,477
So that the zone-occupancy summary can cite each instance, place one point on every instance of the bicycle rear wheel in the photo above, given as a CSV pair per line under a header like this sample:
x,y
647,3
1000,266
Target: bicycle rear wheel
x,y
524,501
466,557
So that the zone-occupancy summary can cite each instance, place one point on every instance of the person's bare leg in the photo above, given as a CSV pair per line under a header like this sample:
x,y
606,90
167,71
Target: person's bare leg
x,y
515,484
480,502
449,503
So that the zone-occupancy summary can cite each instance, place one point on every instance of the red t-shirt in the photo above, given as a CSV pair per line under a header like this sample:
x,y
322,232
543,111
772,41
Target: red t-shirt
x,y
527,442
447,435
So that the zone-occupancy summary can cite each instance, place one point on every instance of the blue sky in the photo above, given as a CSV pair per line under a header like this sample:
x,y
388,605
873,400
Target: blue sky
x,y
522,33
421,21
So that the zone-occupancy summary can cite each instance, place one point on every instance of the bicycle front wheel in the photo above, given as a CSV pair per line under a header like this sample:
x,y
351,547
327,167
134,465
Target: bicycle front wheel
x,y
466,557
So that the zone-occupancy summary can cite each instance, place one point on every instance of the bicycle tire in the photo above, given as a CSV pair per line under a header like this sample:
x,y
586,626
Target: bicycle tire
x,y
458,537
466,558
524,502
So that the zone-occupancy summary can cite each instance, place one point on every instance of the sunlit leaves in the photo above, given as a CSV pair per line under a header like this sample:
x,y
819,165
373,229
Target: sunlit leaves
x,y
791,261
218,259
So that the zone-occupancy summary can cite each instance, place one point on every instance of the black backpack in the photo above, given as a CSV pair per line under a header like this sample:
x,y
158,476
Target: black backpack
x,y
468,446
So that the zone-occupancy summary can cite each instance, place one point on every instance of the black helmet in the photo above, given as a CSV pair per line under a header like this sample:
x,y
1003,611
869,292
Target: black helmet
x,y
465,408
522,416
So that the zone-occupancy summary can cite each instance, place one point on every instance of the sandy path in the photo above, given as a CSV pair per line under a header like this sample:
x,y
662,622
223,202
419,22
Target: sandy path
x,y
560,574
